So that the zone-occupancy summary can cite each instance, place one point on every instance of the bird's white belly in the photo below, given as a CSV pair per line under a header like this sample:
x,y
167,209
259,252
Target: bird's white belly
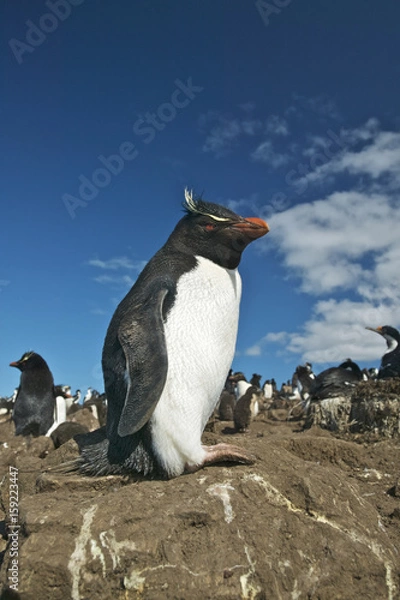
x,y
241,388
200,333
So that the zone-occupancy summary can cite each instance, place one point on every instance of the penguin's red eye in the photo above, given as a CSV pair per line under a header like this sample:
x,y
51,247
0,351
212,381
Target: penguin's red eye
x,y
209,226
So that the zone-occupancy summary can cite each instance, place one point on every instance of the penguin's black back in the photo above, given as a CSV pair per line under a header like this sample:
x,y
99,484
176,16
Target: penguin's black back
x,y
336,381
175,264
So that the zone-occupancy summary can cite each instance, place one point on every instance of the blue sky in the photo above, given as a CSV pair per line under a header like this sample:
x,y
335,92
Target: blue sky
x,y
285,110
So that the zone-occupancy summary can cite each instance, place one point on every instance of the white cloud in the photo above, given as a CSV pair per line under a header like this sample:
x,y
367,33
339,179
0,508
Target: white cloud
x,y
344,251
280,336
265,153
247,107
322,105
253,350
324,242
122,280
276,125
4,282
98,311
223,133
244,205
380,156
119,262
337,331
221,138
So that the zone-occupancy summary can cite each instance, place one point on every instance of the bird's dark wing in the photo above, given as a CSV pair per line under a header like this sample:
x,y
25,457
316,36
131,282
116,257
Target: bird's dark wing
x,y
333,381
390,368
143,342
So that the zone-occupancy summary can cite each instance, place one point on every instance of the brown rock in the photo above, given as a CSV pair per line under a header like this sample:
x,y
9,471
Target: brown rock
x,y
303,522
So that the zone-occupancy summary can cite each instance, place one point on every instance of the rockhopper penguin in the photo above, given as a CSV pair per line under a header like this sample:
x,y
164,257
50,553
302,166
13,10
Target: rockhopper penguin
x,y
33,412
246,409
169,348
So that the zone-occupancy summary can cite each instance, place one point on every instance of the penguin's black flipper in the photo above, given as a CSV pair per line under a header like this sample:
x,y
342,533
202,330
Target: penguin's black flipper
x,y
143,342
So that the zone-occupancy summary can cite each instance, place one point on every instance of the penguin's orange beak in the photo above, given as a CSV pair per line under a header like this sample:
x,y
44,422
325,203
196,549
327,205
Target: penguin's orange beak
x,y
376,329
253,227
14,364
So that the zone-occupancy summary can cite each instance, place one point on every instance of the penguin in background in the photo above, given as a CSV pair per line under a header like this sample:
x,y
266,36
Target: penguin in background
x,y
267,389
7,405
256,380
246,409
33,412
390,362
75,404
241,385
335,381
169,348
226,406
302,380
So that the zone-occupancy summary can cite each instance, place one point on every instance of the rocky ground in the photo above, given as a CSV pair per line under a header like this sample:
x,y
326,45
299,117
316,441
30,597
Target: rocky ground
x,y
316,517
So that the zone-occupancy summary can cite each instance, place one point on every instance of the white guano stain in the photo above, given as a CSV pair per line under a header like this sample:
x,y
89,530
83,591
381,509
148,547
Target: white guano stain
x,y
115,548
135,581
78,557
278,499
249,589
221,491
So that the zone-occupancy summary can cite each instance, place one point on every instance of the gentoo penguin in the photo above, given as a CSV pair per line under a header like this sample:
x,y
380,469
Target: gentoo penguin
x,y
33,412
246,409
169,347
336,381
390,362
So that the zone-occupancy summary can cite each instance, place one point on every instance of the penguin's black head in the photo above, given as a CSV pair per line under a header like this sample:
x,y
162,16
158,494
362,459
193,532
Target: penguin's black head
x,y
29,360
215,232
61,390
391,335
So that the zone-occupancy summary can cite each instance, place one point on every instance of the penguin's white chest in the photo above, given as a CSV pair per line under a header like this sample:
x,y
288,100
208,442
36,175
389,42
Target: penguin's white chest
x,y
200,333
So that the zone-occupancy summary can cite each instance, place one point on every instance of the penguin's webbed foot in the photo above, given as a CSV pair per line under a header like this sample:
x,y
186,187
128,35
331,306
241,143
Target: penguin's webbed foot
x,y
223,453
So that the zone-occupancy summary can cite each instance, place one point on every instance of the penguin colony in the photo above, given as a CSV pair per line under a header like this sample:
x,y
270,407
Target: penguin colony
x,y
179,321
